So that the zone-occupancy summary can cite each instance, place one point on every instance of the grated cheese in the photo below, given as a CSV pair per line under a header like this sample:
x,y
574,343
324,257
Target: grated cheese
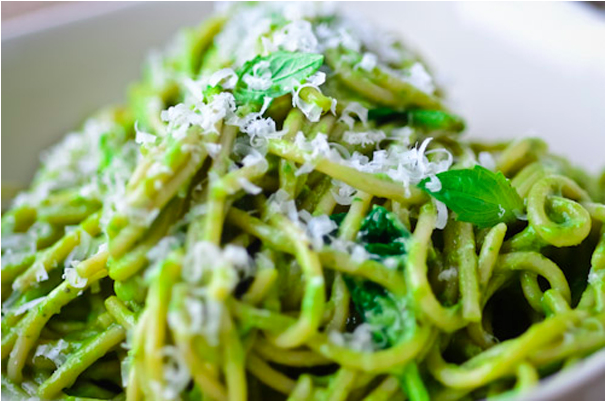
x,y
71,275
227,78
358,110
280,202
357,252
359,340
448,275
205,115
176,372
402,135
203,256
419,78
364,138
318,228
255,158
143,137
315,149
368,62
311,111
434,184
343,193
41,273
28,306
54,351
486,160
408,166
202,316
72,162
296,36
261,78
249,187
213,149
442,215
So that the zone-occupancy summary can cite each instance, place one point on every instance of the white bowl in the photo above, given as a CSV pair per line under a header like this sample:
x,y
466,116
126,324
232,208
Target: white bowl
x,y
510,69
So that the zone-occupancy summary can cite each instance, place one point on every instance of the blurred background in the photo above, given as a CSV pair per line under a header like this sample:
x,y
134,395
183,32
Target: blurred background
x,y
512,69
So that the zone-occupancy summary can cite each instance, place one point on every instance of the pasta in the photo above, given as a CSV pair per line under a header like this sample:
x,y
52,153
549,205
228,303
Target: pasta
x,y
285,208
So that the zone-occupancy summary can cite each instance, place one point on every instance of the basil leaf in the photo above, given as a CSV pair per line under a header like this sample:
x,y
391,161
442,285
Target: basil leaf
x,y
284,69
478,196
429,120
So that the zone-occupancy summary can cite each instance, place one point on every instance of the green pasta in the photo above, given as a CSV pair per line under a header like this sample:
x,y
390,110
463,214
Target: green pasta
x,y
285,209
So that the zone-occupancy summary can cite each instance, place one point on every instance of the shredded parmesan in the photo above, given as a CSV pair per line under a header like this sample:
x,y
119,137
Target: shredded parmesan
x,y
204,256
433,184
486,160
249,187
176,372
296,36
71,275
143,137
202,316
213,149
261,78
318,228
366,138
442,215
28,306
280,202
226,77
315,149
358,110
41,273
359,340
343,193
205,115
54,351
408,166
448,275
368,62
310,110
419,78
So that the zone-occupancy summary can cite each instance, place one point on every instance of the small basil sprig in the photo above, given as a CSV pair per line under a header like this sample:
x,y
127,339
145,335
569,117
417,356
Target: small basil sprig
x,y
286,69
478,196
421,118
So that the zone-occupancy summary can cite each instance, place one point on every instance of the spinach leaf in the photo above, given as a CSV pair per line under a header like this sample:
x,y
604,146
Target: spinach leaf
x,y
383,236
429,120
478,196
387,315
281,70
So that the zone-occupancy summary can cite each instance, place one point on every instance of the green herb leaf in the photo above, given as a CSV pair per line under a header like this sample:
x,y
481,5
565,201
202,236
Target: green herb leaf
x,y
387,315
383,236
284,69
478,196
429,120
